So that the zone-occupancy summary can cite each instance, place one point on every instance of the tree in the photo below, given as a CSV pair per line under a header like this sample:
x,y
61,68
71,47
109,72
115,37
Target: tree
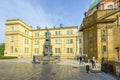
x,y
2,48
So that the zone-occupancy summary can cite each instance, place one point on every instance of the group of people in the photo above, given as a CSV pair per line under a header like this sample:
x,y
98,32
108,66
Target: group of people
x,y
93,62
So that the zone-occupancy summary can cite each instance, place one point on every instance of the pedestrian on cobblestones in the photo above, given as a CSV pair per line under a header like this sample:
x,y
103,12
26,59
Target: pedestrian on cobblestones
x,y
88,68
93,61
81,60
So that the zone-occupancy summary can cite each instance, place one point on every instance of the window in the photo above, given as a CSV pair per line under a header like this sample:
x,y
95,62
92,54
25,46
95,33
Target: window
x,y
36,42
26,32
57,33
26,50
36,34
36,50
11,48
12,39
80,41
103,35
69,41
12,28
69,50
110,6
57,41
57,50
80,50
26,41
104,48
70,32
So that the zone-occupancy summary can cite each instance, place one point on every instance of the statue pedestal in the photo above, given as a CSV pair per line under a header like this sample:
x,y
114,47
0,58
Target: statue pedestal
x,y
45,59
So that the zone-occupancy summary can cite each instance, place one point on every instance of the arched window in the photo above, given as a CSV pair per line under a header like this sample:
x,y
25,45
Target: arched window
x,y
110,6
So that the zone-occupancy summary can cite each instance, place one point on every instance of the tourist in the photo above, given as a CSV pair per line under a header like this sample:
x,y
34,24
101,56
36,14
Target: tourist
x,y
93,62
87,68
81,60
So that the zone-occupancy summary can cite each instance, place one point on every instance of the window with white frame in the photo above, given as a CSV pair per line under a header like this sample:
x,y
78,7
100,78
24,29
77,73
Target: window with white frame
x,y
69,50
57,33
26,32
37,34
69,41
11,49
26,50
36,50
12,39
36,42
70,32
57,41
57,50
26,41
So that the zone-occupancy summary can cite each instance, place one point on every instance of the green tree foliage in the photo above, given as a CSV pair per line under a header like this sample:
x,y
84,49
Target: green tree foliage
x,y
2,48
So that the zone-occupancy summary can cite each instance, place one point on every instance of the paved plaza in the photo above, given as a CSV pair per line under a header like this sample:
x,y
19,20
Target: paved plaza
x,y
23,69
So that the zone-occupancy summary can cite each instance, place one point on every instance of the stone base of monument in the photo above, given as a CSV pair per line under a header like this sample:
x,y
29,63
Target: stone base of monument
x,y
45,59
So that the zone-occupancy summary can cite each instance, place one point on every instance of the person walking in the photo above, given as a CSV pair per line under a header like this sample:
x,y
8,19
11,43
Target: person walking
x,y
81,60
93,62
87,67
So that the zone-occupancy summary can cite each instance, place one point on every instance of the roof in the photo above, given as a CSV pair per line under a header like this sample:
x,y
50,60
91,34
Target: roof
x,y
55,28
94,3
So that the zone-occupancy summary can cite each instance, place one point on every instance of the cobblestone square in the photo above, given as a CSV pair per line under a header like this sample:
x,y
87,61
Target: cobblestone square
x,y
65,70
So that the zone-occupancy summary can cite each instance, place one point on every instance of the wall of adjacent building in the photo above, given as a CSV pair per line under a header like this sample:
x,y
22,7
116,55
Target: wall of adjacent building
x,y
103,25
20,34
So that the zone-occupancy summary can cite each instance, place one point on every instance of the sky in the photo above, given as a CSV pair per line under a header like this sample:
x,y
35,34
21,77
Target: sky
x,y
43,13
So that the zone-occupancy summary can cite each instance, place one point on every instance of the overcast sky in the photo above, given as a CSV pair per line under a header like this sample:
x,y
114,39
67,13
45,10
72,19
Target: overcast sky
x,y
43,12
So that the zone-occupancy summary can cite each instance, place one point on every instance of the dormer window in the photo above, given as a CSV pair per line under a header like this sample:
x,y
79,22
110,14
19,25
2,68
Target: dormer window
x,y
110,6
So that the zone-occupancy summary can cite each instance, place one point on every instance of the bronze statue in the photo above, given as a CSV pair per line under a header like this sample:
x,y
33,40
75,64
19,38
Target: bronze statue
x,y
47,47
47,34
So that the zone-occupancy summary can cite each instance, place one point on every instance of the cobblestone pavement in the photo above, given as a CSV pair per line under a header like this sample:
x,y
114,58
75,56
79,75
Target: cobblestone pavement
x,y
65,70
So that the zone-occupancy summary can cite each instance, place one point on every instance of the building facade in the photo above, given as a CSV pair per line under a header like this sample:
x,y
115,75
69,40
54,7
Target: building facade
x,y
80,46
101,30
23,41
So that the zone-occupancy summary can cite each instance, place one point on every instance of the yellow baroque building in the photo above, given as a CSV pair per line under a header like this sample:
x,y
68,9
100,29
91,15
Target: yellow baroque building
x,y
22,41
101,30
